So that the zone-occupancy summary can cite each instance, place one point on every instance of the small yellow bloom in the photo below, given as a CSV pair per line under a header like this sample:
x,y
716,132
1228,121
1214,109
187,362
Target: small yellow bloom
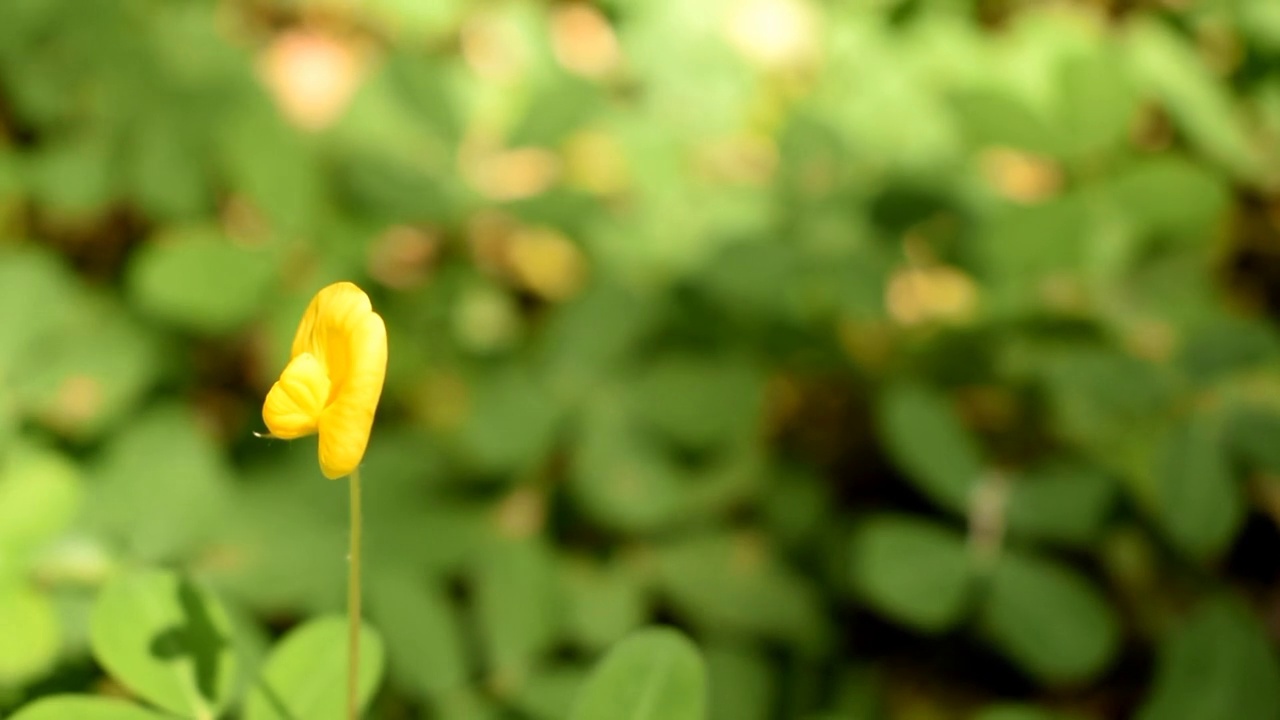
x,y
334,379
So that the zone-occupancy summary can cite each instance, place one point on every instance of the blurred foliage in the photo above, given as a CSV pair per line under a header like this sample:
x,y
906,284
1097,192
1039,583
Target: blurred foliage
x,y
917,358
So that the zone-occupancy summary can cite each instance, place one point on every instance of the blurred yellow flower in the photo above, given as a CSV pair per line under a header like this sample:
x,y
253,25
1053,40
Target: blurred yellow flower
x,y
334,378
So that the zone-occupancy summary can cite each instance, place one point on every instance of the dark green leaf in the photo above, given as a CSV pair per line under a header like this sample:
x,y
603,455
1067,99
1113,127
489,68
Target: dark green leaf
x,y
1048,620
912,570
926,439
1218,664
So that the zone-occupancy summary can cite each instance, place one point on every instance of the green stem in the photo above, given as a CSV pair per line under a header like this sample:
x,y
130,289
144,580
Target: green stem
x,y
353,603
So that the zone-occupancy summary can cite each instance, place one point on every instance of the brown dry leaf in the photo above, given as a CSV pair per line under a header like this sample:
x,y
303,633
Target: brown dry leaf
x,y
546,263
595,162
1019,176
494,48
746,159
514,174
583,40
402,257
312,76
521,514
931,294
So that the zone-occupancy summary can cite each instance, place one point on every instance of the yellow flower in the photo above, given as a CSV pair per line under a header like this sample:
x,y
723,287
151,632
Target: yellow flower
x,y
334,379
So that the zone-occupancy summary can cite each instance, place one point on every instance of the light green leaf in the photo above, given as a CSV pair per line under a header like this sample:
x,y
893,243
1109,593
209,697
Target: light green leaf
x,y
168,640
1048,620
1096,104
995,117
40,493
1217,665
306,674
912,570
83,707
653,674
199,280
31,634
925,438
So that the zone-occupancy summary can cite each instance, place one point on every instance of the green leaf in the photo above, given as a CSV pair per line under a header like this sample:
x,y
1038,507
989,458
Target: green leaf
x,y
992,117
1048,620
700,402
31,636
1227,346
306,674
1108,403
619,477
1061,504
167,170
1251,433
91,370
272,165
602,602
83,707
926,440
199,280
425,653
1168,68
1019,271
1217,665
512,422
743,683
40,493
549,693
654,674
75,176
1168,196
1096,104
168,640
161,485
734,584
1199,503
35,292
914,571
516,603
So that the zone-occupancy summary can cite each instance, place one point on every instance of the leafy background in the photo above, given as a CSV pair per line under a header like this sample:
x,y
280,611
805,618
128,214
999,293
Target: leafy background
x,y
916,358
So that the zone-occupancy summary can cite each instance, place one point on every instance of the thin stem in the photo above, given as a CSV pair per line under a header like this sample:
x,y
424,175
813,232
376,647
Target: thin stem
x,y
353,602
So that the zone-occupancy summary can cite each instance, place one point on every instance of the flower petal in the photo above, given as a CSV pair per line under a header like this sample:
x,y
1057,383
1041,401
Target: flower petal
x,y
294,404
347,419
330,313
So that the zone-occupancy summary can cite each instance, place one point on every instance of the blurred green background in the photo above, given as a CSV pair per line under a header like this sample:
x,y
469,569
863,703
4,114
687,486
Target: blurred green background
x,y
916,357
